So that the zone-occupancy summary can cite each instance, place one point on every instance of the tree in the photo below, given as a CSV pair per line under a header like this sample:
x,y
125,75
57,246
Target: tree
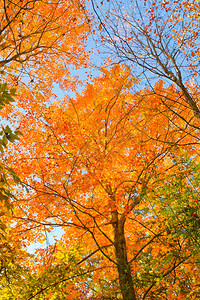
x,y
11,247
39,43
157,38
102,168
115,169
44,275
38,40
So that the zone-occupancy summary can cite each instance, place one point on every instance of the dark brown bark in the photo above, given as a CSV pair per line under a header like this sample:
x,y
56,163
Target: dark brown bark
x,y
124,271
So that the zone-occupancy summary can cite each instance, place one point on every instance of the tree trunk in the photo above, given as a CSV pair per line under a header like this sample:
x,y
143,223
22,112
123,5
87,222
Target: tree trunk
x,y
124,271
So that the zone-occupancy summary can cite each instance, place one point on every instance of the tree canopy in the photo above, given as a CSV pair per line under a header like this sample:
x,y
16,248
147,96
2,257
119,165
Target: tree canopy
x,y
111,161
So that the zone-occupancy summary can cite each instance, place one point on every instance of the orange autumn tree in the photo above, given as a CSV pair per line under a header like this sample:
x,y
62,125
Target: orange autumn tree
x,y
39,42
12,252
34,33
101,167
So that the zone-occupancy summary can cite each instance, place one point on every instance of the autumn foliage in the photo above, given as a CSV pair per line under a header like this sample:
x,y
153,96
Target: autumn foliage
x,y
114,165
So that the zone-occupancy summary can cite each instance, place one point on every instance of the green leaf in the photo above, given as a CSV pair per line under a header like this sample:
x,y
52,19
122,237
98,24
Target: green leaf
x,y
169,258
4,141
7,129
16,179
11,137
2,226
13,91
4,87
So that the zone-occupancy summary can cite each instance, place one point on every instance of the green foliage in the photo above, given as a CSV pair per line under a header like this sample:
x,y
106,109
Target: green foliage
x,y
176,203
7,174
6,134
181,203
50,280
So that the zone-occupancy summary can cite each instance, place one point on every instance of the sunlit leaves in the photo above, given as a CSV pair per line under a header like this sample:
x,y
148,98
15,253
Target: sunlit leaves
x,y
115,169
110,150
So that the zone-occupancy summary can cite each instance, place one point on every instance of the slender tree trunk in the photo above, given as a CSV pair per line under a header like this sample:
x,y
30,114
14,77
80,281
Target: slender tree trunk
x,y
124,271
